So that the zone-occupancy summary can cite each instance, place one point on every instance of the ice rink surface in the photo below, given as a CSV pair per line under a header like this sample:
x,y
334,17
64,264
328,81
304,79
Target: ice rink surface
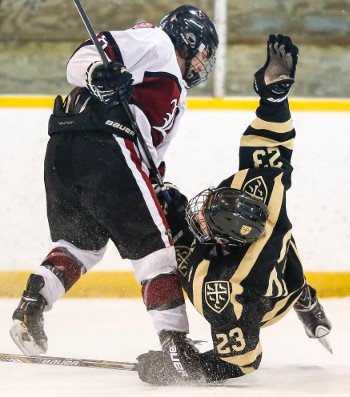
x,y
120,329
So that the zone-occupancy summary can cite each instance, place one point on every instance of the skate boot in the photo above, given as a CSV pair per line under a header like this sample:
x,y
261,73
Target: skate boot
x,y
313,317
27,330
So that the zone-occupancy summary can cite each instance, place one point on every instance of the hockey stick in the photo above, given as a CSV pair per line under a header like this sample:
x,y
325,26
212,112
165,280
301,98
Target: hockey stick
x,y
67,362
125,104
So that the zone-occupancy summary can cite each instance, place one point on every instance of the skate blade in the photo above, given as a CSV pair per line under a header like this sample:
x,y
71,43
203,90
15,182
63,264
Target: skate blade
x,y
24,340
322,336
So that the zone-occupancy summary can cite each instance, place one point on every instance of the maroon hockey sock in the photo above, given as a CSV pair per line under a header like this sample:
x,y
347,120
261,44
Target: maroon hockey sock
x,y
163,292
63,265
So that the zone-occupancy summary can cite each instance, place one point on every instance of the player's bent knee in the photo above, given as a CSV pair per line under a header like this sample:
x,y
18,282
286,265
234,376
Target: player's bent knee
x,y
163,292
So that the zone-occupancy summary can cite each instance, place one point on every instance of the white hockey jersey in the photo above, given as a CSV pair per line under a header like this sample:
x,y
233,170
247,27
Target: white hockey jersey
x,y
159,99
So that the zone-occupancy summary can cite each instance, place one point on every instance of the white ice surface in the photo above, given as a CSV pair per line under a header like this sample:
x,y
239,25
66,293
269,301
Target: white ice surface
x,y
120,329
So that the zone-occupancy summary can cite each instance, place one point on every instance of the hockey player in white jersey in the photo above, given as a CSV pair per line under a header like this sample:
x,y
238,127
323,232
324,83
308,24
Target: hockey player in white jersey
x,y
97,178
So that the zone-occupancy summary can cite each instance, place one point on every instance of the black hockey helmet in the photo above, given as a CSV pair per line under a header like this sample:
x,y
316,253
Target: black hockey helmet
x,y
192,31
227,216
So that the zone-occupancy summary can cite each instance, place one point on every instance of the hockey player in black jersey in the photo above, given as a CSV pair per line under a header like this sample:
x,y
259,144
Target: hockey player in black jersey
x,y
97,177
243,270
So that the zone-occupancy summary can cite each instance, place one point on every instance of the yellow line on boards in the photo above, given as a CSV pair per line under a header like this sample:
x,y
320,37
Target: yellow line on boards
x,y
200,103
122,284
302,104
26,102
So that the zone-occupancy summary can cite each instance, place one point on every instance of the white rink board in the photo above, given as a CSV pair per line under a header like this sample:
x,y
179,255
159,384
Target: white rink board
x,y
204,152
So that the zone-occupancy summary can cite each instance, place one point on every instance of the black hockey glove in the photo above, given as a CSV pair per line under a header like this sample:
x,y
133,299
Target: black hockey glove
x,y
273,81
110,85
177,364
175,209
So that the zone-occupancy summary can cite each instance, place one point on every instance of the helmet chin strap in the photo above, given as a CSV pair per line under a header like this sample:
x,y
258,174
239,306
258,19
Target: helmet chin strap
x,y
188,62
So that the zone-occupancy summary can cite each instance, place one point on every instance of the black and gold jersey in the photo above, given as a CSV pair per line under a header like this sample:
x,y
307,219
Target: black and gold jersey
x,y
241,289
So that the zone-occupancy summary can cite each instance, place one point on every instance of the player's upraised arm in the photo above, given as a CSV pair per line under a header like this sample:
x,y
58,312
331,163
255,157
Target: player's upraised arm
x,y
268,141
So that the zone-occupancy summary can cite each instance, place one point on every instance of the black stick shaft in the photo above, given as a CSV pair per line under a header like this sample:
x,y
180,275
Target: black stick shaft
x,y
125,104
67,362
91,31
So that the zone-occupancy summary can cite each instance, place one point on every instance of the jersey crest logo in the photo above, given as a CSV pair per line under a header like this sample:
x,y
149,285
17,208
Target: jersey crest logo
x,y
257,188
169,120
144,25
217,295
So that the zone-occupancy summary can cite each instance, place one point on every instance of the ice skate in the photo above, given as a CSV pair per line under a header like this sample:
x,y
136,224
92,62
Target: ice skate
x,y
27,330
313,317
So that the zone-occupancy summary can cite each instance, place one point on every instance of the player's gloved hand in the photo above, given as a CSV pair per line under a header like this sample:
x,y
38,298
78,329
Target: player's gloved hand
x,y
111,85
161,171
175,209
177,364
274,80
